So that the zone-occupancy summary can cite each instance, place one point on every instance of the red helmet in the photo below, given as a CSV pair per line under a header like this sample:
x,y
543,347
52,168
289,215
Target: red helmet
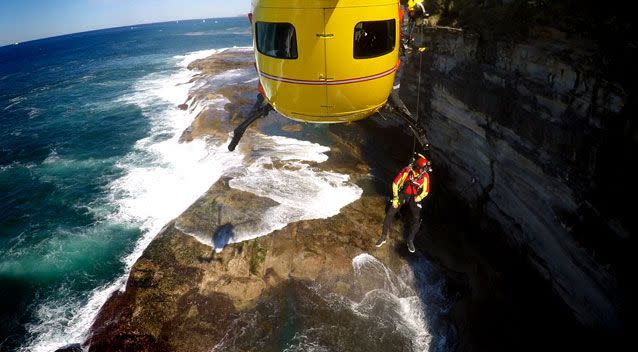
x,y
421,162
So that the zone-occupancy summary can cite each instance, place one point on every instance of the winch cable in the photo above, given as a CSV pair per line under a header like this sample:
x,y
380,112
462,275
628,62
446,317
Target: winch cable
x,y
418,100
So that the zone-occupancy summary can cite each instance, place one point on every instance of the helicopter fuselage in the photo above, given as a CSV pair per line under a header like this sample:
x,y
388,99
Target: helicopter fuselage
x,y
326,61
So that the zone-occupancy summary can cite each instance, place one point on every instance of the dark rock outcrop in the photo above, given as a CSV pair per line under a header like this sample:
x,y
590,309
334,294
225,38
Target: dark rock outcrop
x,y
240,96
224,61
521,131
76,347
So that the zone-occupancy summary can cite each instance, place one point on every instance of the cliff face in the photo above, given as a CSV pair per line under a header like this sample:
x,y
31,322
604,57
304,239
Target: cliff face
x,y
524,132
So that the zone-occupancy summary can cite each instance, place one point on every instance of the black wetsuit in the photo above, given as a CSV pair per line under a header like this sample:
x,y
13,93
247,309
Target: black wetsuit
x,y
415,216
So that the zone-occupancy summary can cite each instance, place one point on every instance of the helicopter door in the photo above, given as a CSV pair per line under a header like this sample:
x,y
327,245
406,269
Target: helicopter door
x,y
291,60
361,58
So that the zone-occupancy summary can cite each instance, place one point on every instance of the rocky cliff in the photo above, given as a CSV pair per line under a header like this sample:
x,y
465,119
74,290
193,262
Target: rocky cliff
x,y
525,131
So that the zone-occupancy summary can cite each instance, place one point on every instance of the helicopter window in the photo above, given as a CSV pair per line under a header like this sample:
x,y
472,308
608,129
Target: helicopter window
x,y
278,40
374,38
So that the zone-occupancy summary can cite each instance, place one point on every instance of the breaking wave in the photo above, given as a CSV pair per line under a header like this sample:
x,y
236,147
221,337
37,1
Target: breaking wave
x,y
159,179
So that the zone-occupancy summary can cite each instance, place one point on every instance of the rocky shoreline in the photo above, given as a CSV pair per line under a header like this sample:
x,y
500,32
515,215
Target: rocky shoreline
x,y
304,282
184,295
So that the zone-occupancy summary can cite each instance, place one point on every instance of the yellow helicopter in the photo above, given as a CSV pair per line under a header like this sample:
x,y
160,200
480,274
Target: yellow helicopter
x,y
324,61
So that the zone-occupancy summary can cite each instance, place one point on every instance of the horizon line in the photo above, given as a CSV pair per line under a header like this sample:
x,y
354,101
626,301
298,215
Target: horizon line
x,y
116,27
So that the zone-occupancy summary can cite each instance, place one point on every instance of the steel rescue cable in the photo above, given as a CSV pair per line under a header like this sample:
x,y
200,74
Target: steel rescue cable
x,y
418,96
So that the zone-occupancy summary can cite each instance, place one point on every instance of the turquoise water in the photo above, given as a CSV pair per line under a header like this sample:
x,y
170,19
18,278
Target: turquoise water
x,y
81,119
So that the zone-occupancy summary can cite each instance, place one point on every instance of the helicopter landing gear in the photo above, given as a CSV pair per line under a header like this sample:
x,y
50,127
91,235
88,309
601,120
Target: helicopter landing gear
x,y
260,109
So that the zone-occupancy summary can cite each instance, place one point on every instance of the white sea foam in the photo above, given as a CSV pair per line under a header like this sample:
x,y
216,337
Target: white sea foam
x,y
52,157
66,322
195,34
368,267
301,190
407,310
305,344
14,102
33,112
16,165
212,33
184,60
155,194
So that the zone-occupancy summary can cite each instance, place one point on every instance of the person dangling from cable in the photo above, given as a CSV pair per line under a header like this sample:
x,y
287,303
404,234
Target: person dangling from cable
x,y
416,15
410,187
416,9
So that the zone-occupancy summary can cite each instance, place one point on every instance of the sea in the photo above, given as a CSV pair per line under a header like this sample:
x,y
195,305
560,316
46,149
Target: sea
x,y
87,171
92,168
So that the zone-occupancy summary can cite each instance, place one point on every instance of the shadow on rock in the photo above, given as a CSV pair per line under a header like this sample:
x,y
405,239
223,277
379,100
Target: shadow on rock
x,y
222,236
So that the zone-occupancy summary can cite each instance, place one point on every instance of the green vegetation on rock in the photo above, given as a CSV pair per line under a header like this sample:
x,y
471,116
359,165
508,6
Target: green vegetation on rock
x,y
257,256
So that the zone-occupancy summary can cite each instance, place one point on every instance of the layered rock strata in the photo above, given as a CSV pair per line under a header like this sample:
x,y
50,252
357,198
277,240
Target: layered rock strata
x,y
520,131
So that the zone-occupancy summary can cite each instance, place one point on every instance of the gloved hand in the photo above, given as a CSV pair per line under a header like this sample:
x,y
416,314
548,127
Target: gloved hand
x,y
395,202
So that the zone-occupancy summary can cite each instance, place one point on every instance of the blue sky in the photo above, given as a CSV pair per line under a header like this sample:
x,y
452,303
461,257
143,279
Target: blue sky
x,y
22,20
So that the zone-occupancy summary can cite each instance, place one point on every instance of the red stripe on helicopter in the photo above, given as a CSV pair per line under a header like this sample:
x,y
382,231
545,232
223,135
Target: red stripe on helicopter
x,y
329,83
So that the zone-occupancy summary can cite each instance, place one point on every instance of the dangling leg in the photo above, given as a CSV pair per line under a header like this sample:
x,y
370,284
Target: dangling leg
x,y
411,25
387,222
415,213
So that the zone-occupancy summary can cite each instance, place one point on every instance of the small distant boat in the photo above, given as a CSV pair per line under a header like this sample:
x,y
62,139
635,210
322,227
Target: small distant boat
x,y
204,21
16,43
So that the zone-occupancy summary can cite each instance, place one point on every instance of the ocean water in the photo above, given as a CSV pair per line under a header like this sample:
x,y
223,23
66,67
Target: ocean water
x,y
87,163
91,168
